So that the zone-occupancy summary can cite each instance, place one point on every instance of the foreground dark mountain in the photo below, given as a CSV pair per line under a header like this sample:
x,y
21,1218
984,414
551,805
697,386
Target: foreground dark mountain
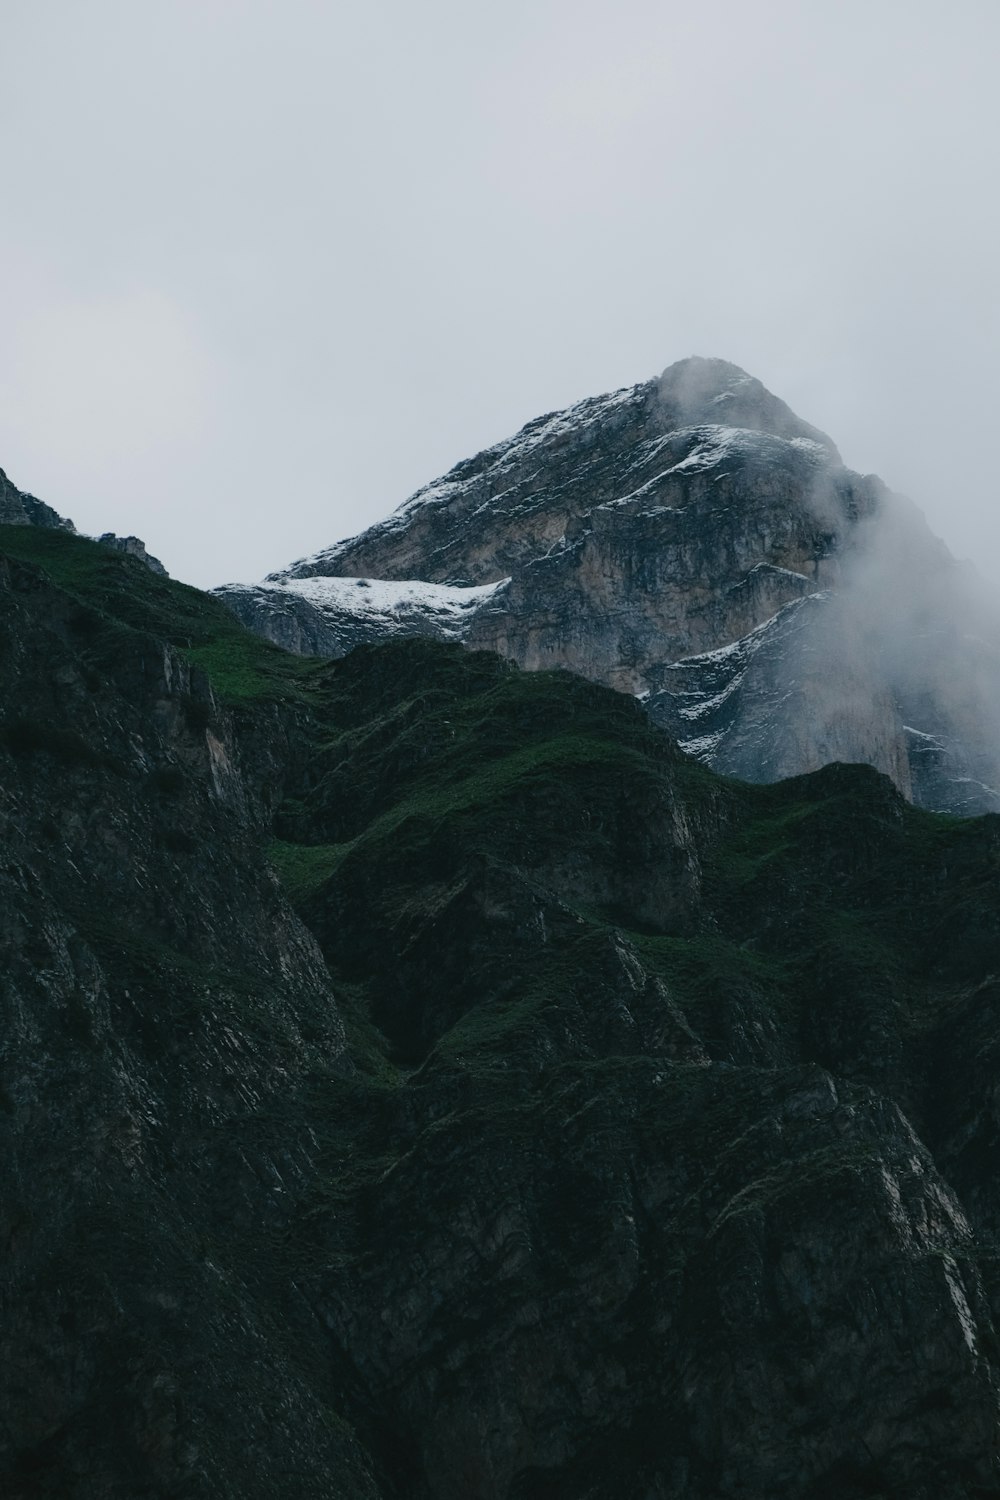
x,y
691,541
596,1128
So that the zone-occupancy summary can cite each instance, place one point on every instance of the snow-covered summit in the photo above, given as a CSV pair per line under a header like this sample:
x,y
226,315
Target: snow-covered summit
x,y
712,392
394,599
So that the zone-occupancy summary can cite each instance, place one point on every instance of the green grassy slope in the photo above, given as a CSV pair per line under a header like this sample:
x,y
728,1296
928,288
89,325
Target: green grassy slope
x,y
435,771
128,596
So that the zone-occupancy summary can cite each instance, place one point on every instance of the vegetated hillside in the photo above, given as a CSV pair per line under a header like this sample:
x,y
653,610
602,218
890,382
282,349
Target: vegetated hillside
x,y
569,1122
689,540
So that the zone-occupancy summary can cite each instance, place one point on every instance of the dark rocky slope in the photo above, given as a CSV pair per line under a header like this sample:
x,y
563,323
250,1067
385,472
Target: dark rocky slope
x,y
165,1018
691,541
634,1134
20,509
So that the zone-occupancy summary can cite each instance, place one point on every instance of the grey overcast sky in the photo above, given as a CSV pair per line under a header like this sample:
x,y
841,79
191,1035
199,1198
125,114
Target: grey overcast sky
x,y
266,266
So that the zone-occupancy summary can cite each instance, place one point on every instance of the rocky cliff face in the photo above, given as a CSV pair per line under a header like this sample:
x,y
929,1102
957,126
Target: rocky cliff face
x,y
691,541
420,1080
135,547
163,1009
20,509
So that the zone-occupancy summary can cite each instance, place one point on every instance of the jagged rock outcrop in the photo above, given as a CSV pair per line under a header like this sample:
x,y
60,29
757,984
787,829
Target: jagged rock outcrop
x,y
691,541
134,547
20,509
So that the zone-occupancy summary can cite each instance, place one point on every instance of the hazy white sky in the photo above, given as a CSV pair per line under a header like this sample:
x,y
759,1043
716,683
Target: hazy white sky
x,y
266,266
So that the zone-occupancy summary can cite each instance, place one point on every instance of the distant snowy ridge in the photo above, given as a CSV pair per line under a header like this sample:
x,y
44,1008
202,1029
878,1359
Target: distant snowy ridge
x,y
385,601
333,615
400,599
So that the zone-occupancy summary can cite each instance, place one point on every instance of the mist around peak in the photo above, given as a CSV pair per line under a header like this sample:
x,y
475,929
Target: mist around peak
x,y
903,612
696,391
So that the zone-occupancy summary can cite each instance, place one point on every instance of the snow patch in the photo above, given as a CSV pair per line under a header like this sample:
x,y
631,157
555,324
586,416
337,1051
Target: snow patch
x,y
391,605
918,734
716,444
716,677
703,745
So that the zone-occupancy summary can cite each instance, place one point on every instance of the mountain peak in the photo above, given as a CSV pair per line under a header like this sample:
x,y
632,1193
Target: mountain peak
x,y
697,391
516,498
692,541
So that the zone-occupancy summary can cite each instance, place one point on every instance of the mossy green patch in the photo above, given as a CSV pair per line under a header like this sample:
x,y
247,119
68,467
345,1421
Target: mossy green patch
x,y
303,868
121,593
